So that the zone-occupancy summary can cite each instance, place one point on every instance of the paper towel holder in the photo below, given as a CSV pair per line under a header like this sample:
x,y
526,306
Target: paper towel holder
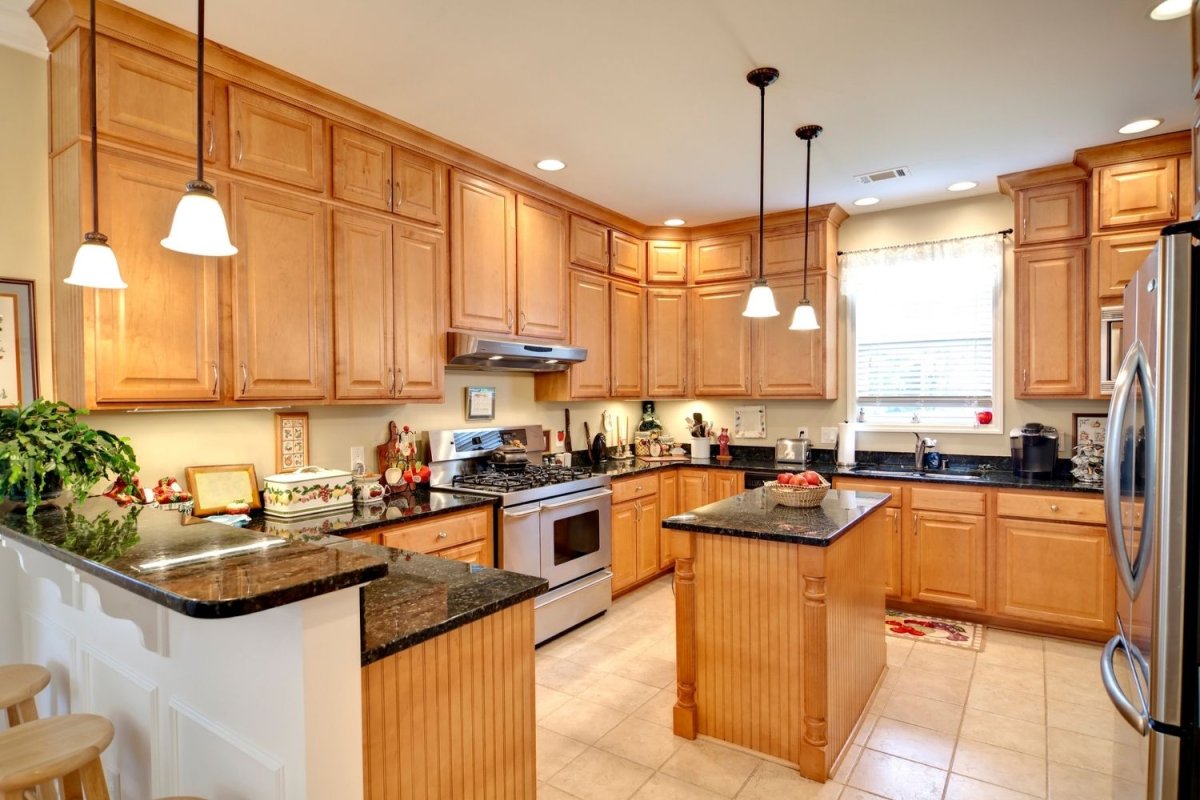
x,y
845,427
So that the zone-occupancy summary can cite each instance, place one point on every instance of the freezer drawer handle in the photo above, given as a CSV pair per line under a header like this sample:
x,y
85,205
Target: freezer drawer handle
x,y
1136,719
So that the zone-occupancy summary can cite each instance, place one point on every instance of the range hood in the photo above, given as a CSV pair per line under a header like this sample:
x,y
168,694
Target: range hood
x,y
466,351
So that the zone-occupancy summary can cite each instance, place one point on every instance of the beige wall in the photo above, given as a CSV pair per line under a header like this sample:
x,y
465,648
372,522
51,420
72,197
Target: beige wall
x,y
167,442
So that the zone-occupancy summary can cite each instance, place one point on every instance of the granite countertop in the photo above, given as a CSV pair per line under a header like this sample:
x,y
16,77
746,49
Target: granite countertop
x,y
754,515
121,546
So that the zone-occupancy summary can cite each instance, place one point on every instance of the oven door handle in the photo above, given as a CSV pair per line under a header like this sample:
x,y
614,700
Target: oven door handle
x,y
577,500
1125,707
520,514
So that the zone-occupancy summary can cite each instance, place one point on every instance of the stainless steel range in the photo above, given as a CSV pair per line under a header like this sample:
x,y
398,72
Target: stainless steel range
x,y
554,522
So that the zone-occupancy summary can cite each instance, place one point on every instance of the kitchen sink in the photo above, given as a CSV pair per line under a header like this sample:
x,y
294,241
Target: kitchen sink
x,y
886,470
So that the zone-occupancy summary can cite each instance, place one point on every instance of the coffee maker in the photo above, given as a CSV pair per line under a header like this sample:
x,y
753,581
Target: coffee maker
x,y
1034,450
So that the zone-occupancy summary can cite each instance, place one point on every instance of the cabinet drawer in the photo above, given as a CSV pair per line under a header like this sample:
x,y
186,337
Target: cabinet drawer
x,y
857,485
469,553
438,533
956,501
1053,507
633,488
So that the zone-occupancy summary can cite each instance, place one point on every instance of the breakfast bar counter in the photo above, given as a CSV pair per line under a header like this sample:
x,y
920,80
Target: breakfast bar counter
x,y
779,617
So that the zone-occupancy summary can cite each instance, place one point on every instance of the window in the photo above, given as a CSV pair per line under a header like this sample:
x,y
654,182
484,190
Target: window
x,y
925,335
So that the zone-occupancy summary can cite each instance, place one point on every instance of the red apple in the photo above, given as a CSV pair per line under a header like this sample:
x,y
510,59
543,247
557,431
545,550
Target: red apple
x,y
811,478
984,417
784,478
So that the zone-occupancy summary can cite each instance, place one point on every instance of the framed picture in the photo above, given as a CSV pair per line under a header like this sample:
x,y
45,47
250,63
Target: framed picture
x,y
18,345
214,487
291,440
1090,428
750,422
481,402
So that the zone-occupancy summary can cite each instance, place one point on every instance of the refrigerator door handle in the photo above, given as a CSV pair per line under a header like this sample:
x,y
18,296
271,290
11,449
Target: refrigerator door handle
x,y
1136,718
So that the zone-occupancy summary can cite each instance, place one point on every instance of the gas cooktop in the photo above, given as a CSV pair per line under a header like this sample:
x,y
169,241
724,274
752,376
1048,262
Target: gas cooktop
x,y
529,476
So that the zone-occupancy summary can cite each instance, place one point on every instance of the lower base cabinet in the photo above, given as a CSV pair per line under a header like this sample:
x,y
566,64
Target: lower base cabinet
x,y
949,559
463,536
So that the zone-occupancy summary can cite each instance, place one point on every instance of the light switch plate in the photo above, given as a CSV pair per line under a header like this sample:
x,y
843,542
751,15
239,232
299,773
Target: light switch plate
x,y
829,435
356,457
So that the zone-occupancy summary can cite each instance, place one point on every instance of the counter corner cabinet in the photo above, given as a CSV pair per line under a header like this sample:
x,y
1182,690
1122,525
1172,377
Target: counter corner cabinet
x,y
779,623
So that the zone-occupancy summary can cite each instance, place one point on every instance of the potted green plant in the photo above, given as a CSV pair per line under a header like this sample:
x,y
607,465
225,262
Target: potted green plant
x,y
44,448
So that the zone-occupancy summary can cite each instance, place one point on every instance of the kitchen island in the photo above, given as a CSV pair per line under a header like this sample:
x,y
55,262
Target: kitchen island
x,y
779,613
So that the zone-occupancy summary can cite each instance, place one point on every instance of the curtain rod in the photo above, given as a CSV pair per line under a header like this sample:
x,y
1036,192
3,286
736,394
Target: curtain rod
x,y
1005,233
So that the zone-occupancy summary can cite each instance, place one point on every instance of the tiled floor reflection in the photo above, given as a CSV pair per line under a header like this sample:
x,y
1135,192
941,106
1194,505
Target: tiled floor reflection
x,y
1025,718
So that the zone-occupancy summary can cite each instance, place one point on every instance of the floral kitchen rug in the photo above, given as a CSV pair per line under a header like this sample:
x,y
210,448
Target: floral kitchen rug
x,y
934,629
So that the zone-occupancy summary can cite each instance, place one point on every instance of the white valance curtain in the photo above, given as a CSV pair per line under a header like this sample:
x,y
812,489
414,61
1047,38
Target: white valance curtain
x,y
968,263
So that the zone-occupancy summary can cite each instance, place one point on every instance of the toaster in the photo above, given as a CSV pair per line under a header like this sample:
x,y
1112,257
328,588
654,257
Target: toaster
x,y
791,451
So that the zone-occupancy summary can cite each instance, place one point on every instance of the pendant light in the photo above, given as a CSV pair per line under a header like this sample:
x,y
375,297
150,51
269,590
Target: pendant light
x,y
95,264
199,225
761,302
804,318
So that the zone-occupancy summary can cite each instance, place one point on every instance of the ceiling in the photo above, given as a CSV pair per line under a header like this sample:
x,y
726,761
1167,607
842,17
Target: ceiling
x,y
648,104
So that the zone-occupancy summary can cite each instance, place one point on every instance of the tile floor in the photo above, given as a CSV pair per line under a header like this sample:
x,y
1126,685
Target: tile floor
x,y
1025,718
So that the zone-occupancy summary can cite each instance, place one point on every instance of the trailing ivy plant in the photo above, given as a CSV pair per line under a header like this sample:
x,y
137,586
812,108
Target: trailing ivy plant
x,y
44,443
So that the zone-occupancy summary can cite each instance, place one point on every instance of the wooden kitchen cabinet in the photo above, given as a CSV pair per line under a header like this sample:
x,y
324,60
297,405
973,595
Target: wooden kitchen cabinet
x,y
625,531
893,554
798,363
626,323
720,338
1114,260
542,290
666,261
949,559
363,307
721,258
159,339
589,244
666,342
277,140
461,536
628,257
475,552
1051,212
725,483
1051,322
649,523
150,100
693,488
483,256
668,506
419,270
783,250
1137,193
372,173
280,294
589,329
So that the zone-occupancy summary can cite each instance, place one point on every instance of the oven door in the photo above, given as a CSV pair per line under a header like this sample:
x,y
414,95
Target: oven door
x,y
576,535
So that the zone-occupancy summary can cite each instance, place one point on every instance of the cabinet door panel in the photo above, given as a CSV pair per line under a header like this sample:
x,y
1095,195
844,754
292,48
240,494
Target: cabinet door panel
x,y
796,363
159,339
783,251
693,489
1051,213
483,254
419,264
949,559
362,307
666,262
1116,258
894,554
1139,193
1051,314
668,506
1055,573
628,257
722,258
666,342
418,187
280,297
275,140
723,484
362,167
648,534
626,323
624,545
541,269
720,341
589,244
589,329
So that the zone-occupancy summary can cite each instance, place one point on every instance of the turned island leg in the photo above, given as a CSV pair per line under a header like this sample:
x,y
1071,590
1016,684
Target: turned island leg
x,y
685,712
814,756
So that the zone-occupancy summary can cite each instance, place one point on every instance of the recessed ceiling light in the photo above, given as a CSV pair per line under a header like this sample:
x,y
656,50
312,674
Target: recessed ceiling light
x,y
1170,9
674,222
1139,125
866,201
961,186
550,164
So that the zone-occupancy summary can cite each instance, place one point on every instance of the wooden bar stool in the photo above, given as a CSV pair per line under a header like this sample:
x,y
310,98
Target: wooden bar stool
x,y
19,684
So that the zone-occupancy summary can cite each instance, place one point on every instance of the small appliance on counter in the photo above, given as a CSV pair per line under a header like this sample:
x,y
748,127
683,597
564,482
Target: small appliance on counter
x,y
308,490
1034,450
792,451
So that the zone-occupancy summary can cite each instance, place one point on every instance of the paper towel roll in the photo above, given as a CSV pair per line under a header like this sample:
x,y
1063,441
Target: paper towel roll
x,y
845,448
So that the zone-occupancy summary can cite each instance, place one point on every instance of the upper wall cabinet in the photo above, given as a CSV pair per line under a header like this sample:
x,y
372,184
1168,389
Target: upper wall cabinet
x,y
783,250
627,322
666,262
483,254
1137,193
666,342
595,246
1050,316
373,173
1116,258
720,341
150,100
798,363
721,258
1051,213
276,140
541,269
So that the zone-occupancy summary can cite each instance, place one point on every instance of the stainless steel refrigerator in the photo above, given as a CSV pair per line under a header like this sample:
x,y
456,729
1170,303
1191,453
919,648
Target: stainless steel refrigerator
x,y
1150,668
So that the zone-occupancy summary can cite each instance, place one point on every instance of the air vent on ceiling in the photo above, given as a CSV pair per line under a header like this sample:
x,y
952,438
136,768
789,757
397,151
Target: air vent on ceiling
x,y
883,175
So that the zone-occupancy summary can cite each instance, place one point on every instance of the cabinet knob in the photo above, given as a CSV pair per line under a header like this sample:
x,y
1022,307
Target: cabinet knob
x,y
1054,506
443,535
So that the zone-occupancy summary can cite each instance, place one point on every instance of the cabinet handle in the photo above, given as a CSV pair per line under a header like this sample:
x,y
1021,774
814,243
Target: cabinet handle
x,y
523,321
1024,228
245,377
237,135
216,378
390,192
212,138
1025,379
392,376
508,318
1172,205
401,378
915,530
638,506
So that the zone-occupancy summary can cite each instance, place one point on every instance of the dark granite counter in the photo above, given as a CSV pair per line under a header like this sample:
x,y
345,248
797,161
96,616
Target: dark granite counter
x,y
398,510
754,515
200,569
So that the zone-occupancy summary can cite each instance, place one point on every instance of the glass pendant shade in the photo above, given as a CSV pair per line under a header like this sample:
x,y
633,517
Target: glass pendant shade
x,y
761,302
95,265
804,318
199,227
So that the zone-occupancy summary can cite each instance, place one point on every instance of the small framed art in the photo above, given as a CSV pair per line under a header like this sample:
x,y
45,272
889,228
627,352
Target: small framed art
x,y
481,402
215,487
750,422
18,350
291,441
1090,428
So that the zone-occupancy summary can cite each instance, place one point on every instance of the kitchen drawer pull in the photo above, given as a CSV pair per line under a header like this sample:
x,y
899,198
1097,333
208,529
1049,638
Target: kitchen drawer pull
x,y
1054,506
577,500
443,535
237,135
212,138
245,377
216,378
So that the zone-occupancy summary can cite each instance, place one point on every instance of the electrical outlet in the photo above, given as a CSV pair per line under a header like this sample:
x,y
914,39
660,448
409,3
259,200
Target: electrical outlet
x,y
802,432
356,457
829,435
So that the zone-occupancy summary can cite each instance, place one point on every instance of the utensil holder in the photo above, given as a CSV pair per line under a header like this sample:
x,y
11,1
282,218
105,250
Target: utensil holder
x,y
701,448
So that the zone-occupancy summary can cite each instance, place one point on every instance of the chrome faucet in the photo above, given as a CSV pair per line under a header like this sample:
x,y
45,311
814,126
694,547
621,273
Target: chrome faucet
x,y
923,444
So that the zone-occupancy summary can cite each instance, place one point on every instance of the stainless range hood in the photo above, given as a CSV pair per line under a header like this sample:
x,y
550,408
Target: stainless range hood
x,y
465,351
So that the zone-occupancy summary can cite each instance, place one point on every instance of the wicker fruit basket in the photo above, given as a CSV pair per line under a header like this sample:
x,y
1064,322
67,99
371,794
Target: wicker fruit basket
x,y
797,496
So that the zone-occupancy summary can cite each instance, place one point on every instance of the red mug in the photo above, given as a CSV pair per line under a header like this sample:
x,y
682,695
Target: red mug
x,y
984,417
